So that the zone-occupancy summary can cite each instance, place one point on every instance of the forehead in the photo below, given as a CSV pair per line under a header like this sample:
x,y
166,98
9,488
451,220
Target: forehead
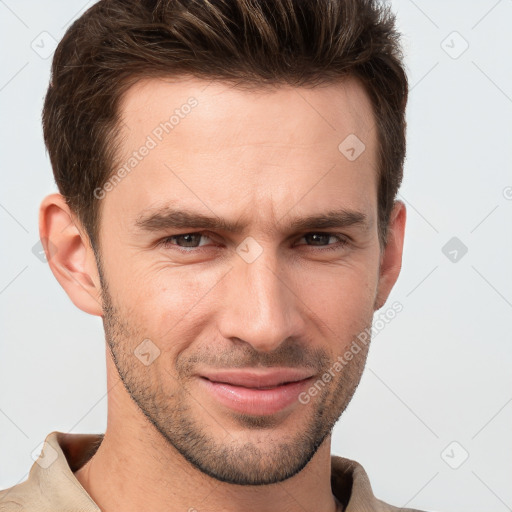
x,y
295,114
212,146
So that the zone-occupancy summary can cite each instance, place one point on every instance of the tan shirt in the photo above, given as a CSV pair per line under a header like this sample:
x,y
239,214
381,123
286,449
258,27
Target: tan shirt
x,y
52,487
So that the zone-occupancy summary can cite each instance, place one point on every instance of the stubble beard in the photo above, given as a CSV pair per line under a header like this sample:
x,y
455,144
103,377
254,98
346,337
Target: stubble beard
x,y
227,459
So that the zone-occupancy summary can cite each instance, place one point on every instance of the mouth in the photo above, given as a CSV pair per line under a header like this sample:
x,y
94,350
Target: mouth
x,y
257,378
256,392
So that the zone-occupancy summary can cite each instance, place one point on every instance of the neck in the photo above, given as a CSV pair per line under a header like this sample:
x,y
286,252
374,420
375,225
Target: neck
x,y
135,469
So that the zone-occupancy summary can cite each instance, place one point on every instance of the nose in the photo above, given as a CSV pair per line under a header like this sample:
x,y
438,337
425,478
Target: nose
x,y
261,307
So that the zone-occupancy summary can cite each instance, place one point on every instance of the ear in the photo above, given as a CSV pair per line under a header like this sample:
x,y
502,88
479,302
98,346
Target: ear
x,y
69,253
391,257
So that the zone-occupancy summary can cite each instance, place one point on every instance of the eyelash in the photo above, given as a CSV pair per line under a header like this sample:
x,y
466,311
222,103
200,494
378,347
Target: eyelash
x,y
166,242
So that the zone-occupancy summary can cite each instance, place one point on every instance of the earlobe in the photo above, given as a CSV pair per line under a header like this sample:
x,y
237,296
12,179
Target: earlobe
x,y
391,258
69,254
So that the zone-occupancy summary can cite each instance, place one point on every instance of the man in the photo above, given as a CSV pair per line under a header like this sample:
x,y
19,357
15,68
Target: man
x,y
227,174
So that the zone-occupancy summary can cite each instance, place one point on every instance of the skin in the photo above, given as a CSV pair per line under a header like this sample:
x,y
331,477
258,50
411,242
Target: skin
x,y
261,158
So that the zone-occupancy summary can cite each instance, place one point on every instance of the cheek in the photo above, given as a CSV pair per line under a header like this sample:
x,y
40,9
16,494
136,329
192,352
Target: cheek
x,y
343,298
165,301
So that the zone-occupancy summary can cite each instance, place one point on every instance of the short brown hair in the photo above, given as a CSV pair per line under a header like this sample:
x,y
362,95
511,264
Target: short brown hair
x,y
254,42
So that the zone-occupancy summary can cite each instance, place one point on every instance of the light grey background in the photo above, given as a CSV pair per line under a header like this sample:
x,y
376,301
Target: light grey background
x,y
438,373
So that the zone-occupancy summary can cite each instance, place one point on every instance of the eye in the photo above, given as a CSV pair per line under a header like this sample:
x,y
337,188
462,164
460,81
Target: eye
x,y
189,241
319,239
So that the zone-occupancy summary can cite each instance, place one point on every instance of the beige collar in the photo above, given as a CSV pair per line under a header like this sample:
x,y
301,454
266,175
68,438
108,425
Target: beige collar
x,y
52,486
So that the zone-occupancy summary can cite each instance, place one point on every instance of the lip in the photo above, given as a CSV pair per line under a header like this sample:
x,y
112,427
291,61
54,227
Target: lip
x,y
257,378
254,391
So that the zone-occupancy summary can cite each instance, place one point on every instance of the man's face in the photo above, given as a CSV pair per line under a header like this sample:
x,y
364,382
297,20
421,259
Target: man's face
x,y
269,295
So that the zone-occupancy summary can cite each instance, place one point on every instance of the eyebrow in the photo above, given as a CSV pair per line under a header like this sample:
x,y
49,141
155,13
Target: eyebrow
x,y
171,218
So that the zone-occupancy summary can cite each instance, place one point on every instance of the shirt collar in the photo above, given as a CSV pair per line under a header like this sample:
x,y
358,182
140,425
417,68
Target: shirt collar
x,y
51,481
